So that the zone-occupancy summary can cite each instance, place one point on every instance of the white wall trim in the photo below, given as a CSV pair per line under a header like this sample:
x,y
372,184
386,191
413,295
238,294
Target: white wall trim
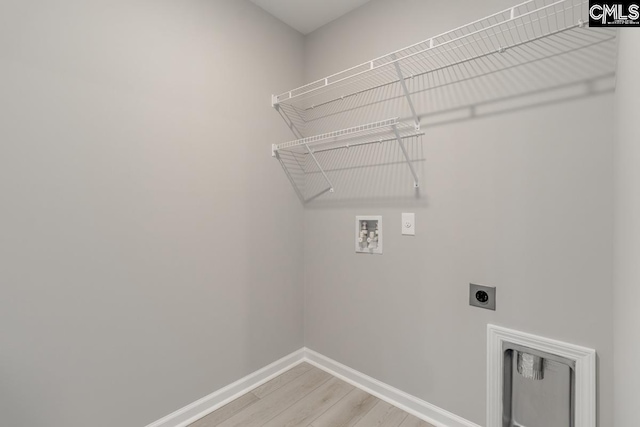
x,y
203,407
411,404
585,373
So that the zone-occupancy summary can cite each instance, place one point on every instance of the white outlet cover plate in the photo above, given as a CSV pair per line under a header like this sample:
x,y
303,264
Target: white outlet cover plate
x,y
409,224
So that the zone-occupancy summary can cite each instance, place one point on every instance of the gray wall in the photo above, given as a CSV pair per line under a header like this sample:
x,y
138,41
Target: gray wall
x,y
519,199
150,248
627,232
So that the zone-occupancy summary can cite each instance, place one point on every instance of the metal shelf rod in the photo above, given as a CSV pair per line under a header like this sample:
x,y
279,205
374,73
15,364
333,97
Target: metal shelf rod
x,y
416,119
406,156
321,170
350,132
380,141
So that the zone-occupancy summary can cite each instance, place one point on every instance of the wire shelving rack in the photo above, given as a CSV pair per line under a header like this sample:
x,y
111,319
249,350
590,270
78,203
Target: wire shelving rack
x,y
525,33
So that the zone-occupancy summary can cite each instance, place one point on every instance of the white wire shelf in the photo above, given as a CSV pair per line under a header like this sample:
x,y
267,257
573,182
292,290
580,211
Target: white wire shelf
x,y
561,22
377,132
302,152
524,50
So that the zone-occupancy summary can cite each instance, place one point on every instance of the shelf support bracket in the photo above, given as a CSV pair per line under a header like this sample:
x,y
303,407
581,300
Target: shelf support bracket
x,y
403,83
290,124
289,177
406,156
326,178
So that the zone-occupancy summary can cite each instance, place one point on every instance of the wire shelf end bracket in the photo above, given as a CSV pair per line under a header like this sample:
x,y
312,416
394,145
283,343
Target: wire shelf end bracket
x,y
416,183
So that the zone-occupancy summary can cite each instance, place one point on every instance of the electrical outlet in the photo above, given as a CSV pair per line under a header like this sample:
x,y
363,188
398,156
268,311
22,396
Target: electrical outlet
x,y
409,224
482,296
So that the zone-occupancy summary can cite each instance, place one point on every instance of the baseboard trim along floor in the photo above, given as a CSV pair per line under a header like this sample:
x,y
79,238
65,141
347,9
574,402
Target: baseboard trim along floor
x,y
411,404
203,407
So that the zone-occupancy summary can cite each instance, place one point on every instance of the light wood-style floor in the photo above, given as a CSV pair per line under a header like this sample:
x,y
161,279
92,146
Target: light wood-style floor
x,y
306,396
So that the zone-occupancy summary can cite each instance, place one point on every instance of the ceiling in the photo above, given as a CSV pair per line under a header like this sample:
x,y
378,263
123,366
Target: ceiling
x,y
308,15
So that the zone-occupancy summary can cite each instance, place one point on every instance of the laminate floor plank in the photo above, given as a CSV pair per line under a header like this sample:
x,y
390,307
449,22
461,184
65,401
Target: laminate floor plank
x,y
306,396
412,421
260,412
227,411
282,379
383,415
348,411
307,409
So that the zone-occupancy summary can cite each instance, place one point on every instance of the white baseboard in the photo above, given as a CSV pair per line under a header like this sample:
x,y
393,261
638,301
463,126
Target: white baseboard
x,y
203,407
411,404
